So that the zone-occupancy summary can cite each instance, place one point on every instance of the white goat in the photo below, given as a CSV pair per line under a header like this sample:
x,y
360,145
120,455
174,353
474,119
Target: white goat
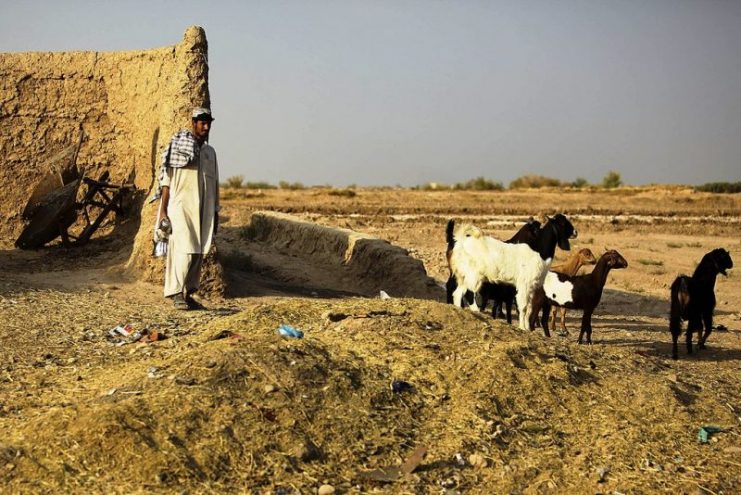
x,y
476,258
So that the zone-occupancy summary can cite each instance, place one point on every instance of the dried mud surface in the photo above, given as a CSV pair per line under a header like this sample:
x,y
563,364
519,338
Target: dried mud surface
x,y
225,405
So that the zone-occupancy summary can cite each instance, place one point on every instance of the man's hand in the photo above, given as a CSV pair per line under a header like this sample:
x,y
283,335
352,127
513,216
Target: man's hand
x,y
165,223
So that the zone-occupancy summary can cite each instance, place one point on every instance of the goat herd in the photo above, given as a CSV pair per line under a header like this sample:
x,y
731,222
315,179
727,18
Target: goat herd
x,y
483,268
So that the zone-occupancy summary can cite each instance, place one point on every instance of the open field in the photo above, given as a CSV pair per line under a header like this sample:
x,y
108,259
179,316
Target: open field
x,y
224,405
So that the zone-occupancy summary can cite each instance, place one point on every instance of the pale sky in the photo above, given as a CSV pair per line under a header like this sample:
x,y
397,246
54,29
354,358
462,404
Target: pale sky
x,y
387,92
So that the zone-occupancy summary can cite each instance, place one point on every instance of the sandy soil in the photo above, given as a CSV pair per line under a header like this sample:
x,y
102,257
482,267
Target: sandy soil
x,y
224,405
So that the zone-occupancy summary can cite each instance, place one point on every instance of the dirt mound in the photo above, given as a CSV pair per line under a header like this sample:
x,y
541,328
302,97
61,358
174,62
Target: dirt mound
x,y
236,408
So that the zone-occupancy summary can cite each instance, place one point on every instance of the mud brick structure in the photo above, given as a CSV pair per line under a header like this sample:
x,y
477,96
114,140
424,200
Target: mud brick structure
x,y
127,104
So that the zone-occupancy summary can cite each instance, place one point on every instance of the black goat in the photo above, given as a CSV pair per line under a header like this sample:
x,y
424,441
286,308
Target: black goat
x,y
578,292
497,292
693,299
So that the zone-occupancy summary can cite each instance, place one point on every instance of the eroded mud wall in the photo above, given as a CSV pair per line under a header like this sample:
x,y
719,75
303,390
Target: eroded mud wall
x,y
126,103
362,264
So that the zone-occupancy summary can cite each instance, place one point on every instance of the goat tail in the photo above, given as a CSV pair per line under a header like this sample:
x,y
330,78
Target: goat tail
x,y
449,234
680,298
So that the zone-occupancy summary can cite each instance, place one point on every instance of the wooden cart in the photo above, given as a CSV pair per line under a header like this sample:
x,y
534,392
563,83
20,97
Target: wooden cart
x,y
53,208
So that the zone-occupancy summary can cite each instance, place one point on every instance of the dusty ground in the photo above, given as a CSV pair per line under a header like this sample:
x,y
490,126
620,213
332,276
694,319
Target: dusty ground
x,y
224,405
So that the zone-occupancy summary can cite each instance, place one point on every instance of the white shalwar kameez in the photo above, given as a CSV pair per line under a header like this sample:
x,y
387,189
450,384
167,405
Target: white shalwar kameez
x,y
193,203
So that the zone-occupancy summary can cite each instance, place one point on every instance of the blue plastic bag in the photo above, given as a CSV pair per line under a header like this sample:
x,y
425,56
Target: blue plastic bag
x,y
289,331
703,434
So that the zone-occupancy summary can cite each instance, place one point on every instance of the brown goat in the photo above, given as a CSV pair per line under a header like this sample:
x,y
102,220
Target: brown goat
x,y
571,267
579,292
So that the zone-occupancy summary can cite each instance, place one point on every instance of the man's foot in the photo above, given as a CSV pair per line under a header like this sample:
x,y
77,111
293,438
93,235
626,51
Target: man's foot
x,y
178,302
192,303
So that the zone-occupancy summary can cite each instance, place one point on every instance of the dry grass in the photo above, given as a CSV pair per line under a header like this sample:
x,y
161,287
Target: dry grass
x,y
234,405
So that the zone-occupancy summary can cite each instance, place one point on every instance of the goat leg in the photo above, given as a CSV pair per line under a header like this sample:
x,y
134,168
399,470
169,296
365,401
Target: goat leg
x,y
675,326
450,286
563,322
708,321
675,353
482,299
544,317
458,296
588,316
479,297
689,340
554,316
585,319
694,325
524,306
675,319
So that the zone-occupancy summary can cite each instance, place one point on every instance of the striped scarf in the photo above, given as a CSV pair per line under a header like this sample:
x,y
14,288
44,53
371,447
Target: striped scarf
x,y
181,152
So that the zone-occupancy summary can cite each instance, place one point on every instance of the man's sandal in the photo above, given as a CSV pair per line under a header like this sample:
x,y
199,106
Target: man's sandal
x,y
193,304
178,302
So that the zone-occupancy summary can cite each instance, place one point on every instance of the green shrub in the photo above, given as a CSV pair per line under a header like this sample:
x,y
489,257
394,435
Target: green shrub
x,y
579,182
534,181
235,181
293,186
479,184
259,185
612,180
720,187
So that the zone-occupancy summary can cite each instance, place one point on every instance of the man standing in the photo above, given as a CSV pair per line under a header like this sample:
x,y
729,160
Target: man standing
x,y
189,185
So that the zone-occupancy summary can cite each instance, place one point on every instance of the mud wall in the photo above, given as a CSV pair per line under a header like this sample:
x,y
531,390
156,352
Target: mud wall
x,y
126,103
371,263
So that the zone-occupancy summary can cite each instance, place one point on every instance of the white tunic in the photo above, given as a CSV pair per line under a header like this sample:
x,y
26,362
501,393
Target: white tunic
x,y
194,200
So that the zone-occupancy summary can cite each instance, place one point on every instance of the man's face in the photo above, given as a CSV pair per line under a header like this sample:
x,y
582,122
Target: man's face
x,y
201,128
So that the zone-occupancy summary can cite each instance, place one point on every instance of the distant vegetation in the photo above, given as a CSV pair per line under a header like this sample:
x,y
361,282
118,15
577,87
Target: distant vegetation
x,y
534,181
235,181
259,185
612,180
531,181
477,184
579,183
480,184
238,182
720,187
293,186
